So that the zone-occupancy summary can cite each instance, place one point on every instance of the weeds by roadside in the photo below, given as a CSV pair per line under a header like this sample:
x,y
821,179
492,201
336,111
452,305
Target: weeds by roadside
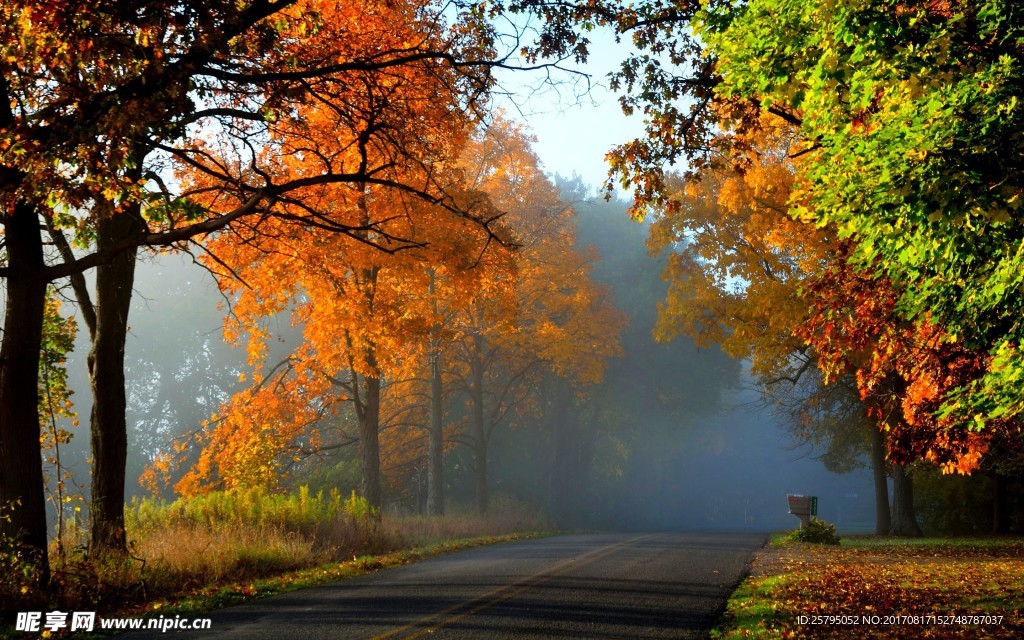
x,y
204,552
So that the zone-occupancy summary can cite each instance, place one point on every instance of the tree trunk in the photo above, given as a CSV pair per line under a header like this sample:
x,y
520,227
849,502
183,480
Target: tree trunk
x,y
478,435
904,523
368,406
22,495
108,424
435,444
435,447
883,521
560,489
369,442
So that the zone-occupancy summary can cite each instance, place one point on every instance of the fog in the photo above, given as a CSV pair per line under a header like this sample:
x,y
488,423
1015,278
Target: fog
x,y
676,437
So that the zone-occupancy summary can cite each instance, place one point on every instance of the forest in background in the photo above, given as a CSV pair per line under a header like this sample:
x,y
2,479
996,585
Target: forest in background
x,y
655,406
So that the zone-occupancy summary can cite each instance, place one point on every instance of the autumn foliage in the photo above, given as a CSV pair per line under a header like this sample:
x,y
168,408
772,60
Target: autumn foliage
x,y
502,303
967,588
904,371
749,274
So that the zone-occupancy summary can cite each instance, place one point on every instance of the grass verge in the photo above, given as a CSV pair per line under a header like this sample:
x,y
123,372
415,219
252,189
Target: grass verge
x,y
210,551
872,587
229,593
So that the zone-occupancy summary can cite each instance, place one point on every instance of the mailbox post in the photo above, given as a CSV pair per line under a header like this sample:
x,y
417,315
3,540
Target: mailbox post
x,y
803,507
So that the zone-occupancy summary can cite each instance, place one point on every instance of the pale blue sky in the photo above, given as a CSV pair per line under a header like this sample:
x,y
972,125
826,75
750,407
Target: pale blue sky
x,y
575,132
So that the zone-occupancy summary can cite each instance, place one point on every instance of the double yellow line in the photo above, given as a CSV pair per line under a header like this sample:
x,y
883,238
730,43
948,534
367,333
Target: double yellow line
x,y
432,623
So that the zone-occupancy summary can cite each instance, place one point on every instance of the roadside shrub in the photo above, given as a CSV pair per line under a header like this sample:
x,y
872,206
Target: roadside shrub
x,y
299,511
18,577
19,569
816,532
98,581
359,509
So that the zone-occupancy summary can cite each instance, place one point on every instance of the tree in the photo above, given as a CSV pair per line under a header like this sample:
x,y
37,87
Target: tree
x,y
107,323
833,418
775,289
737,272
909,117
370,319
805,67
542,315
904,372
55,403
912,126
738,259
366,322
77,106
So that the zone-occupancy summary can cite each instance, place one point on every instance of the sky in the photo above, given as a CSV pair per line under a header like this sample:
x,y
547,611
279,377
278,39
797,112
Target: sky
x,y
575,132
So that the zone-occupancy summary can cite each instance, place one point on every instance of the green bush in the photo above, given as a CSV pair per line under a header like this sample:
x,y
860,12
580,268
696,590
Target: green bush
x,y
817,532
254,507
359,509
953,504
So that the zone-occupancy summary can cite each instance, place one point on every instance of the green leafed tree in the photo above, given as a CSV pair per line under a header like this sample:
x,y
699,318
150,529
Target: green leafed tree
x,y
912,121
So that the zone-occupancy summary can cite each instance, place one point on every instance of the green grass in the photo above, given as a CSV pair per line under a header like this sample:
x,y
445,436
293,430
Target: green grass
x,y
751,611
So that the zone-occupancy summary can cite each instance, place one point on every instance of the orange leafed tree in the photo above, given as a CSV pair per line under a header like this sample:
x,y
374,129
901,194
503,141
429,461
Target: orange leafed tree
x,y
543,316
370,318
365,323
764,285
347,256
96,98
737,258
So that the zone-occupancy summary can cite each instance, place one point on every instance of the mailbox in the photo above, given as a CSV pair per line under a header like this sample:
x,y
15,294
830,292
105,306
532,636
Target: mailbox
x,y
803,507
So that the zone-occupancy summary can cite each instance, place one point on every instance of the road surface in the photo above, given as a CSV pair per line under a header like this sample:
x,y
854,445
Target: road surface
x,y
625,586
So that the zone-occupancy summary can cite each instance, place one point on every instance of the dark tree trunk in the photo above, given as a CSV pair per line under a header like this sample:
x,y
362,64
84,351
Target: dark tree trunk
x,y
367,401
478,436
22,495
562,491
883,520
435,442
369,442
435,446
108,423
904,522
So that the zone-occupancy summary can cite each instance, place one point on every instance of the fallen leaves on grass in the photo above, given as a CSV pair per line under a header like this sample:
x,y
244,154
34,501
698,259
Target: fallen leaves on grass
x,y
884,591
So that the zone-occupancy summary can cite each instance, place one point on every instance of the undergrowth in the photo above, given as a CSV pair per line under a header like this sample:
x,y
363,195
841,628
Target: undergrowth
x,y
816,532
202,544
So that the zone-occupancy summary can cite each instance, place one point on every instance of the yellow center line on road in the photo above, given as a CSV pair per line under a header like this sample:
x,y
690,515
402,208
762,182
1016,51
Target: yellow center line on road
x,y
432,623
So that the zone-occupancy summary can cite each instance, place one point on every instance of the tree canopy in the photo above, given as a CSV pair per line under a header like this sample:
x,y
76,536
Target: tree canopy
x,y
911,120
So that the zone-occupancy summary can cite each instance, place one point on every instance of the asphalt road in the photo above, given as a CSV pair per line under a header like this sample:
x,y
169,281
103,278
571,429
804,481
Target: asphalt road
x,y
628,586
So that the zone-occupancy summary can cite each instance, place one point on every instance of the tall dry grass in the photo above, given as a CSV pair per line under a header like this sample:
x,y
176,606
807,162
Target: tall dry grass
x,y
223,538
226,537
